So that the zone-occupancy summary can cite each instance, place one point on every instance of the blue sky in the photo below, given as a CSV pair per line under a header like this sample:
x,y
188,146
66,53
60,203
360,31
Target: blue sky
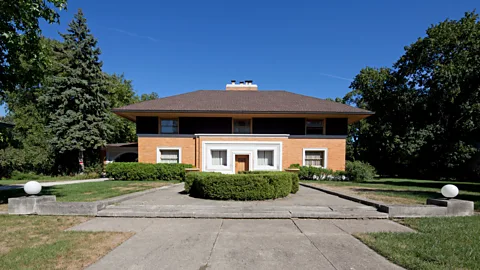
x,y
309,47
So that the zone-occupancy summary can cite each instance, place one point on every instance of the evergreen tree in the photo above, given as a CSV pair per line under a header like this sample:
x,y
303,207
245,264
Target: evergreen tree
x,y
76,97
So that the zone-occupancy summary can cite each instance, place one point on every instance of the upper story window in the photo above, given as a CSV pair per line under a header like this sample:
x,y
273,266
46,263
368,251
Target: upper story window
x,y
314,127
169,126
241,126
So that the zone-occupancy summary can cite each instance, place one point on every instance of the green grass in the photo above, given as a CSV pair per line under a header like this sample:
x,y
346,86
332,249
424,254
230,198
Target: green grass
x,y
86,192
404,191
441,243
23,178
40,242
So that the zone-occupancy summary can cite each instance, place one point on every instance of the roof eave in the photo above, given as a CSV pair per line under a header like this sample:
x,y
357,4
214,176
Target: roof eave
x,y
244,112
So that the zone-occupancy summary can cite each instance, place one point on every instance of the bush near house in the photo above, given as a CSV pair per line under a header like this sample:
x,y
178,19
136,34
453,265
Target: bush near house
x,y
133,171
245,186
355,171
358,171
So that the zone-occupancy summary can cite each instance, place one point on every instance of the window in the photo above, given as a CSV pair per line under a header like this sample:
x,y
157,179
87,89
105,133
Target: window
x,y
169,156
219,157
169,126
314,127
265,158
314,158
241,126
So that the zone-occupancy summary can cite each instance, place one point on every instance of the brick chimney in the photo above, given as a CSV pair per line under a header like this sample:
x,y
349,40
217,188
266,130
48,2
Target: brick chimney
x,y
242,86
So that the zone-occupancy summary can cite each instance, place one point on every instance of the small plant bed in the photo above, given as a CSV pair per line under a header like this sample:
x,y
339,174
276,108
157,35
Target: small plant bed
x,y
244,186
441,243
40,242
402,191
86,192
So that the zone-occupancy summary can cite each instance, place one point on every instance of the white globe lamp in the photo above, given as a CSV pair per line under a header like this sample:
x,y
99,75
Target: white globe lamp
x,y
449,191
32,188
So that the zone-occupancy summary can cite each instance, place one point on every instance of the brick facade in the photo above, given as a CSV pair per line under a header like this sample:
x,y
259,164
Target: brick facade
x,y
292,148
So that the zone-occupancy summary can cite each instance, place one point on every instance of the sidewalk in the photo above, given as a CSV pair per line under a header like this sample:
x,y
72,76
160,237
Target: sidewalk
x,y
242,244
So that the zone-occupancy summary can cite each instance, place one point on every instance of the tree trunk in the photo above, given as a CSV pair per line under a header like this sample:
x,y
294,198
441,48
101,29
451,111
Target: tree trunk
x,y
80,161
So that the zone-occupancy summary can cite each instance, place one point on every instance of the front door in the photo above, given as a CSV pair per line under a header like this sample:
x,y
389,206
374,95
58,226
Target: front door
x,y
241,163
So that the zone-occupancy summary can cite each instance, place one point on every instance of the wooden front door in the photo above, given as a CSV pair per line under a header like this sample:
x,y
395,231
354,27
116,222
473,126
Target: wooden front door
x,y
241,163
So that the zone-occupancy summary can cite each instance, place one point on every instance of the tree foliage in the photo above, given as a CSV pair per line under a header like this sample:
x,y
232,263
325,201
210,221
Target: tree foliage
x,y
427,106
20,40
76,98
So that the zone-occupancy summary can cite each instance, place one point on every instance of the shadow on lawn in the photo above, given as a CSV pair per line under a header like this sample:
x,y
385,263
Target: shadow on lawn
x,y
475,187
14,193
422,194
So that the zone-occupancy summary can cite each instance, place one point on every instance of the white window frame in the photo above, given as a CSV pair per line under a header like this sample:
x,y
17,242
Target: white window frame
x,y
265,167
160,148
210,158
325,156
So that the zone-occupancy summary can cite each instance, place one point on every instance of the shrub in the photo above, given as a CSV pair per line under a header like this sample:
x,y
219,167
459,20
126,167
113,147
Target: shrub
x,y
295,183
295,166
134,171
244,186
191,177
16,175
294,176
358,171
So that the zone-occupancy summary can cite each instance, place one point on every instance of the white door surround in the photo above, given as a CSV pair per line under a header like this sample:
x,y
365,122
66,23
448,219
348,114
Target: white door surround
x,y
234,148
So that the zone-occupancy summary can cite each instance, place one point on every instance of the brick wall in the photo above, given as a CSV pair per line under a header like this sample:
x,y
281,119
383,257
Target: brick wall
x,y
292,149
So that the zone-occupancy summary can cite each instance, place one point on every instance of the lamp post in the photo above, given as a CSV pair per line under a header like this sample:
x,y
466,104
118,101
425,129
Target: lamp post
x,y
449,191
32,188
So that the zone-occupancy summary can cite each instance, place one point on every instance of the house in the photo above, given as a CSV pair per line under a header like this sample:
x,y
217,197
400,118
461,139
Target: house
x,y
242,128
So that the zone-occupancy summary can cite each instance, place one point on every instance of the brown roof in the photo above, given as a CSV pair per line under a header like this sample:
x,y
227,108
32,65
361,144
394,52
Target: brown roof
x,y
242,102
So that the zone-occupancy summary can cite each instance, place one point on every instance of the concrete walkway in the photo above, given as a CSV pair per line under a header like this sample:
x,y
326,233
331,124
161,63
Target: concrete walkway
x,y
307,203
241,244
57,183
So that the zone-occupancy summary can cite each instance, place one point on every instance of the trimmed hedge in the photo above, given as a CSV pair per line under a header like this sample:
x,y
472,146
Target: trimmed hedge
x,y
294,176
134,171
244,186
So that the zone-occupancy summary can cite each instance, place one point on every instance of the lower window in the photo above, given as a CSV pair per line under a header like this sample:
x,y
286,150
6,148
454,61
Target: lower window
x,y
314,158
169,156
219,157
265,158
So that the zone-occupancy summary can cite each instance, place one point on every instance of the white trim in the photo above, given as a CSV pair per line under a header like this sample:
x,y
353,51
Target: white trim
x,y
169,148
167,135
217,167
316,149
242,135
234,148
317,136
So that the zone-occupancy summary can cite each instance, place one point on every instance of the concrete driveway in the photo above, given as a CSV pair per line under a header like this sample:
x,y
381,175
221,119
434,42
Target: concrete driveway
x,y
306,203
241,244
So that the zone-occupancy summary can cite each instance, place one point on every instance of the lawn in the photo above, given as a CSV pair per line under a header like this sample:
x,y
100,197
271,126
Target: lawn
x,y
86,192
24,178
40,242
402,191
441,243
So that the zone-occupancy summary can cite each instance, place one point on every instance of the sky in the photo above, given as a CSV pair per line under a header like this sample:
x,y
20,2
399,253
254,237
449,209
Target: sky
x,y
309,47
